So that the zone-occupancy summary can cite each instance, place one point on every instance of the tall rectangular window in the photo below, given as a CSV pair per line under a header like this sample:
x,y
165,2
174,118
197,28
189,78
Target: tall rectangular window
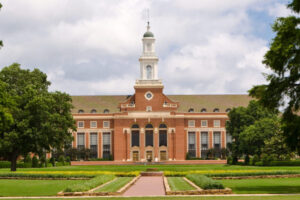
x,y
94,145
149,138
204,144
135,138
106,145
217,144
163,138
80,140
192,144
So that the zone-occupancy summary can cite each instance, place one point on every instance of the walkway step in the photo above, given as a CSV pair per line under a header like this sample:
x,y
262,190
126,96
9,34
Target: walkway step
x,y
147,186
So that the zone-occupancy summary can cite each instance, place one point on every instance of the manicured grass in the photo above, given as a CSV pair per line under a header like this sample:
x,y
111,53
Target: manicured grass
x,y
115,185
179,184
264,186
34,187
128,168
90,184
192,198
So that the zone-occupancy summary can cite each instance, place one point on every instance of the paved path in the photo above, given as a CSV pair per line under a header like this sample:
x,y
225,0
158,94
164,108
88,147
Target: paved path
x,y
147,186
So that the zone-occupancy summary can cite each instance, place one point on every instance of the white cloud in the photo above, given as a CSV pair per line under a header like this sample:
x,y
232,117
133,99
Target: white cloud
x,y
92,47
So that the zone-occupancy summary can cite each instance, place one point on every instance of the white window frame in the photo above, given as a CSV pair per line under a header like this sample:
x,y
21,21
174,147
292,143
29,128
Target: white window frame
x,y
91,122
191,123
217,121
108,122
205,122
79,123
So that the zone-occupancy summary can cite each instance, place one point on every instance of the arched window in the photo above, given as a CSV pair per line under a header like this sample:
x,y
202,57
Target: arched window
x,y
105,111
93,111
149,72
162,126
191,110
228,109
135,126
149,126
203,110
80,111
216,110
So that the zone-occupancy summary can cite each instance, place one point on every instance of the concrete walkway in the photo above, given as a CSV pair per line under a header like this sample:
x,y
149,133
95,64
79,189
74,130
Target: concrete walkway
x,y
146,186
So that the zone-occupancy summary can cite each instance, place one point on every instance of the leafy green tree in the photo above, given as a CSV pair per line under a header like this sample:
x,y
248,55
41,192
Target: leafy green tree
x,y
283,88
42,119
6,106
253,138
239,119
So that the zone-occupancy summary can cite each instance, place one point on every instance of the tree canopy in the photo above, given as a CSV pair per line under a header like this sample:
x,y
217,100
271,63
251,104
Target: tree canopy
x,y
243,124
283,88
42,120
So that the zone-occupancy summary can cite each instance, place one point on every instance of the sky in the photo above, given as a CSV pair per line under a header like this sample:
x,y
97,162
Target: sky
x,y
89,47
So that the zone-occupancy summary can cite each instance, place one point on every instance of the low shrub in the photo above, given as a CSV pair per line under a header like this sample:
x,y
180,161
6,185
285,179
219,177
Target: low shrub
x,y
4,164
52,161
89,184
68,159
204,182
38,176
35,162
253,173
229,160
61,159
254,159
285,163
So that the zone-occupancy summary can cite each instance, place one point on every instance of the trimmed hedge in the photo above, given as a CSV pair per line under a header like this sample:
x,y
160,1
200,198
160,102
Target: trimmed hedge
x,y
253,173
90,184
6,164
279,163
37,176
204,182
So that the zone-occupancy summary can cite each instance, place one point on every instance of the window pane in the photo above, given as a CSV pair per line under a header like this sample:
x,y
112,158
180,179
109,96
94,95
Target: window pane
x,y
93,139
191,142
106,145
80,140
163,138
149,138
135,138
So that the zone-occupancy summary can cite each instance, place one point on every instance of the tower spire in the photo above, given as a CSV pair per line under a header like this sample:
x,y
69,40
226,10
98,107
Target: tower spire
x,y
148,21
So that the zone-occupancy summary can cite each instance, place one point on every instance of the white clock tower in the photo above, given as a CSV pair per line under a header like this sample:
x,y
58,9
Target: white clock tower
x,y
148,61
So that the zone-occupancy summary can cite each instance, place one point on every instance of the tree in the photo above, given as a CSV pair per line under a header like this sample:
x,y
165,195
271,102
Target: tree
x,y
239,119
42,119
253,138
283,88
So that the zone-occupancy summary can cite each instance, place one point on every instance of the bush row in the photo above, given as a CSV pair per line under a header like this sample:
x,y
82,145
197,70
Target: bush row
x,y
242,173
37,176
264,160
90,184
204,182
279,163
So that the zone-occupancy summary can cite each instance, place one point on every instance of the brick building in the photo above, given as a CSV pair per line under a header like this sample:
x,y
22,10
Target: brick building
x,y
150,125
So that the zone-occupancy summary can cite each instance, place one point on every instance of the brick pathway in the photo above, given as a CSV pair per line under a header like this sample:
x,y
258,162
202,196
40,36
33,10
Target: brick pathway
x,y
147,186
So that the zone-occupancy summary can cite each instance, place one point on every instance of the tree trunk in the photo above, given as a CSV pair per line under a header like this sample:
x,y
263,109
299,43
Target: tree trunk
x,y
13,162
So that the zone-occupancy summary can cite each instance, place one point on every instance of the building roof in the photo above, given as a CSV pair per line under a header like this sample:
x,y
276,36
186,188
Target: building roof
x,y
196,102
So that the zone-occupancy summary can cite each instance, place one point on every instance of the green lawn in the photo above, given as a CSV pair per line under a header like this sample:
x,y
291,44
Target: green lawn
x,y
179,184
115,185
264,186
128,168
33,187
191,198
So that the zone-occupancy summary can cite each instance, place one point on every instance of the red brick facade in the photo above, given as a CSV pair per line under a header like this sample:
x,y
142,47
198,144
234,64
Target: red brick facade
x,y
163,111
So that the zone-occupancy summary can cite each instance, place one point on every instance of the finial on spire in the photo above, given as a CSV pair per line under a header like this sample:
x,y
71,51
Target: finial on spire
x,y
148,22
